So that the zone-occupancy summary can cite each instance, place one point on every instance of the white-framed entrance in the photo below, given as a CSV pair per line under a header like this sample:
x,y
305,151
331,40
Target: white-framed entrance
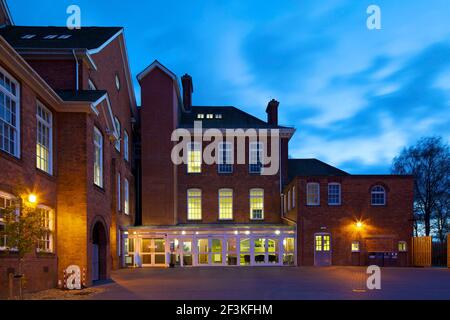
x,y
197,246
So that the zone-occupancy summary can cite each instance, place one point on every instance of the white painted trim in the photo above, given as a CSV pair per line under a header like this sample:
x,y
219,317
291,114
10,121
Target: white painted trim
x,y
318,199
97,50
340,194
156,64
7,11
38,119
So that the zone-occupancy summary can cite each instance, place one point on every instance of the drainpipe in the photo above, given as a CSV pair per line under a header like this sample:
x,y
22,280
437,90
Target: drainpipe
x,y
76,70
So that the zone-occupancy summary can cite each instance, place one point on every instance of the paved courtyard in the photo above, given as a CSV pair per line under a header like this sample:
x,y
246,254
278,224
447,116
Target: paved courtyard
x,y
274,283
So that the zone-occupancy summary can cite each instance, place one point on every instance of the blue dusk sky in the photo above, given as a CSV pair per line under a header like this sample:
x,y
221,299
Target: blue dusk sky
x,y
356,96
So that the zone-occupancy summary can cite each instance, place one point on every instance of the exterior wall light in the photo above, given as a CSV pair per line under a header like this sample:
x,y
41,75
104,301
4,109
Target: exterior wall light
x,y
247,232
236,232
183,233
278,232
32,198
359,224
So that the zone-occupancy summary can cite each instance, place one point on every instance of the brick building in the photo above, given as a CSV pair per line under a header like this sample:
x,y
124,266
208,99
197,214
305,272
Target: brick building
x,y
67,123
231,213
106,175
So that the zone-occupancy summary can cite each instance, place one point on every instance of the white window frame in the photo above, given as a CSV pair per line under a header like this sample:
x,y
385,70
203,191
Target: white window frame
x,y
256,153
378,192
91,85
339,194
253,196
194,147
126,200
16,99
119,132
225,157
11,198
308,193
49,125
223,197
126,146
119,192
98,145
50,230
359,246
190,196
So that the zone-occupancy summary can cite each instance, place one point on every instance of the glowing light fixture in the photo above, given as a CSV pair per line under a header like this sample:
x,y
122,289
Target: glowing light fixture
x,y
359,224
236,232
247,232
32,198
278,232
183,233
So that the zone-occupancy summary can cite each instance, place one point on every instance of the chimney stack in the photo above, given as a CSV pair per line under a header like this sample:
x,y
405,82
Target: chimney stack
x,y
272,112
188,89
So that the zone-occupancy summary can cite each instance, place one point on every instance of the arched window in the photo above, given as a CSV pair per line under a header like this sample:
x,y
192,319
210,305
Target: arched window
x,y
378,196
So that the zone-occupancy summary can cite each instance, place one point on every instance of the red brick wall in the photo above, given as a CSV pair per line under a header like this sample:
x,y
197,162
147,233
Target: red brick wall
x,y
59,74
21,177
158,173
392,220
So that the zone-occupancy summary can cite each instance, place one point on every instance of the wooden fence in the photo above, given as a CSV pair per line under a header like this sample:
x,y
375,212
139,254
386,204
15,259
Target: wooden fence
x,y
421,251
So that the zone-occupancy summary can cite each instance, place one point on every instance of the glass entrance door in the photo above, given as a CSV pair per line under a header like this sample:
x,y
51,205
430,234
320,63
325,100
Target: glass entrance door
x,y
153,252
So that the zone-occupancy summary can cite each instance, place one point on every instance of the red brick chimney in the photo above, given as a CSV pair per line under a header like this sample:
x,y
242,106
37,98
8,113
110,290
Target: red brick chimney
x,y
188,89
272,112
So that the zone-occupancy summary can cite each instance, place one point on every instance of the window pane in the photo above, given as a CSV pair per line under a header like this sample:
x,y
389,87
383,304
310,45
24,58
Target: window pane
x,y
226,204
194,204
313,194
257,204
334,194
194,158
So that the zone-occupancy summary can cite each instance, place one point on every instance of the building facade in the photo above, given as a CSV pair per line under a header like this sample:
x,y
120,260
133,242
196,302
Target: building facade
x,y
126,186
68,118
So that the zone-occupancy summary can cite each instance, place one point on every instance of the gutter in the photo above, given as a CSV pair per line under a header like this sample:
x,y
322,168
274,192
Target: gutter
x,y
76,71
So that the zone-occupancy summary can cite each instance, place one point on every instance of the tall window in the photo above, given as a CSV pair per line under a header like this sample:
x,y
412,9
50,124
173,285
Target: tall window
x,y
194,204
6,201
293,197
98,158
312,194
119,192
126,195
334,194
194,157
119,133
126,146
45,243
226,204
257,204
225,157
356,246
378,195
44,139
289,200
9,114
256,155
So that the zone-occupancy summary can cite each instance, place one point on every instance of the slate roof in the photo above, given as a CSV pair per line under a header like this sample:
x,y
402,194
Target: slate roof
x,y
81,95
84,38
231,117
312,167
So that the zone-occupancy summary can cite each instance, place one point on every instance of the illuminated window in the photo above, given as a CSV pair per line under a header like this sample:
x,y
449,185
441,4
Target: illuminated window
x,y
225,157
98,158
9,114
334,194
119,192
326,243
226,204
209,116
6,201
218,116
45,243
117,142
402,246
318,243
126,146
200,116
126,196
355,246
257,204
194,157
44,139
194,204
312,194
256,155
378,196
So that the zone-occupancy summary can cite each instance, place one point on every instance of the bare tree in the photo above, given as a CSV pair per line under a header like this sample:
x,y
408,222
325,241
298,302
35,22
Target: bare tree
x,y
429,161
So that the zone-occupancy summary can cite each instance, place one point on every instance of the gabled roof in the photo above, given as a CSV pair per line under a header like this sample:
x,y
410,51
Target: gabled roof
x,y
5,8
89,38
312,167
81,95
230,117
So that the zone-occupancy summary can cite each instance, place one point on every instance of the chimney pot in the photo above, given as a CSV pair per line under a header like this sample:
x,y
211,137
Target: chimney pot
x,y
272,112
188,89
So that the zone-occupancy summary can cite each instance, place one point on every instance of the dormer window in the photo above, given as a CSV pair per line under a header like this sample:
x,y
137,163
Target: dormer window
x,y
28,36
200,116
209,116
50,36
218,116
64,36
